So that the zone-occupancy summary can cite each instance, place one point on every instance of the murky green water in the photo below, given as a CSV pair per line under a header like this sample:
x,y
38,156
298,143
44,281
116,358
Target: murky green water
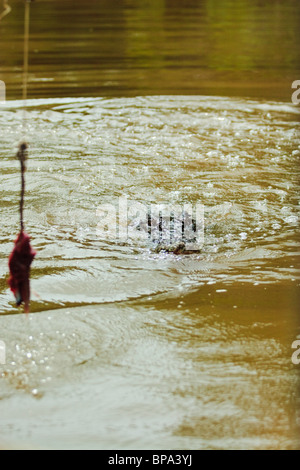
x,y
128,348
162,47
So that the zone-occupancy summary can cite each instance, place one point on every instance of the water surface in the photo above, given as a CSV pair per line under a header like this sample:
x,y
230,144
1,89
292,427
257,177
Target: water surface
x,y
127,348
160,102
163,47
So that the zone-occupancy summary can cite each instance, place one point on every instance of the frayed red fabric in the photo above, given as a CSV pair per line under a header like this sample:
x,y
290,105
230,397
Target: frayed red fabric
x,y
19,266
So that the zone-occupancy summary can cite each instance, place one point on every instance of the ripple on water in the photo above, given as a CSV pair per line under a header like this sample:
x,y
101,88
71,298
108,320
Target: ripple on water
x,y
195,349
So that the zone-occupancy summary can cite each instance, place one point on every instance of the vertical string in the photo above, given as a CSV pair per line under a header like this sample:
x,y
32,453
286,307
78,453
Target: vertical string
x,y
26,58
22,156
23,152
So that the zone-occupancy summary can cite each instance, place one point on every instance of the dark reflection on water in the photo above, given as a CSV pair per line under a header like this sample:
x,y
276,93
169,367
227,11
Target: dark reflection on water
x,y
131,47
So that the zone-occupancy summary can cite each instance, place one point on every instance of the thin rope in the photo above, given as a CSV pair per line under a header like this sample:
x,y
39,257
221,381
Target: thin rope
x,y
26,58
7,9
22,154
26,49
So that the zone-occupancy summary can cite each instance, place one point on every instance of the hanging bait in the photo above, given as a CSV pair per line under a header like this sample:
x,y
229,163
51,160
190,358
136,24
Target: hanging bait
x,y
22,255
19,266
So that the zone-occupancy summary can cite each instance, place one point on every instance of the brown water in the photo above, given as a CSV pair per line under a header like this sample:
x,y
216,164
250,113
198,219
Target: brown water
x,y
127,348
162,47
